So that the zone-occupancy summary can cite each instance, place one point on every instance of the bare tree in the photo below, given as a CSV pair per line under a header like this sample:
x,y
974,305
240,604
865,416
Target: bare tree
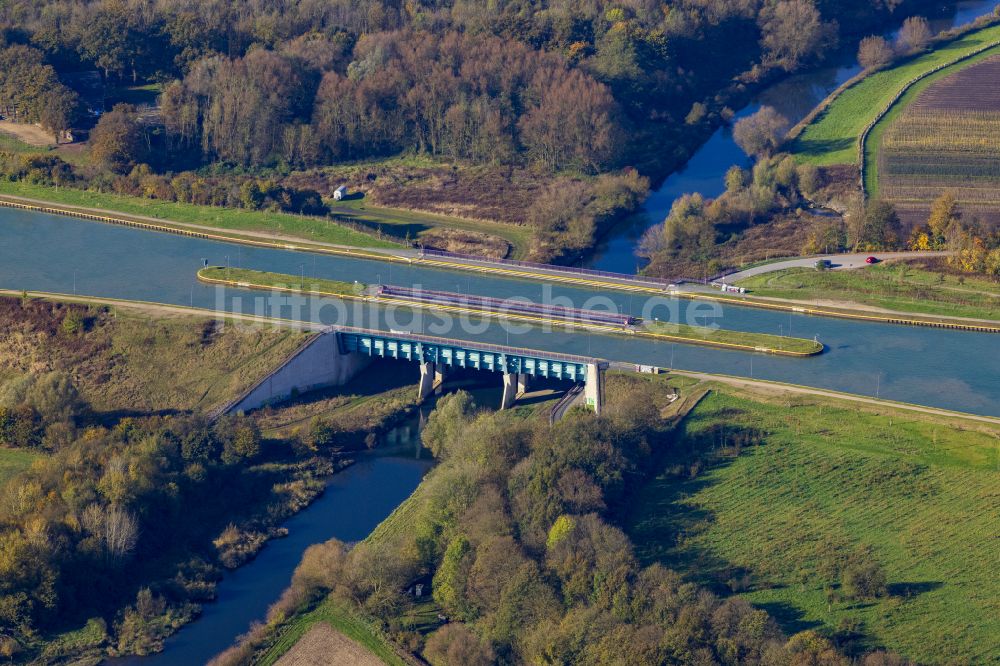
x,y
914,36
114,526
760,135
874,52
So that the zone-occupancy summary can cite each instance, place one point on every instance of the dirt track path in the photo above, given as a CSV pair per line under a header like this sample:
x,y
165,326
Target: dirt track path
x,y
33,135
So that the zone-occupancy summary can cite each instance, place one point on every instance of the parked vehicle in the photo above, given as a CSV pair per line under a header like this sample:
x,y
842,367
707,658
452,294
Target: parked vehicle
x,y
872,260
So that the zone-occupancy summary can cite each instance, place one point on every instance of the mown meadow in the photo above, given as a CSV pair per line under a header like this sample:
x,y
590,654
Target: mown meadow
x,y
774,499
900,287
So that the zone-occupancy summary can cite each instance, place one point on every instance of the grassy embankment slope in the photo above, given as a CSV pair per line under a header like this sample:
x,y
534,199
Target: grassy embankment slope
x,y
662,330
395,223
832,138
225,219
826,480
898,287
142,362
341,619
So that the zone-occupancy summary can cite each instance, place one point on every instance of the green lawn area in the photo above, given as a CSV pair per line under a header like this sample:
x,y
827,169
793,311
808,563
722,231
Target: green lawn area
x,y
228,219
828,479
893,286
340,618
15,461
280,280
724,336
832,138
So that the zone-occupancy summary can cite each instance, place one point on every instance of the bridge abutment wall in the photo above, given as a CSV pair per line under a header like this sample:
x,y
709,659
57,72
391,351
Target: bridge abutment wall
x,y
317,364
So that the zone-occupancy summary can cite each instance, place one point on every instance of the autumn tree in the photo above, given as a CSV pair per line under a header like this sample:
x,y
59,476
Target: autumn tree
x,y
876,226
875,52
456,644
574,124
760,134
793,31
944,214
118,141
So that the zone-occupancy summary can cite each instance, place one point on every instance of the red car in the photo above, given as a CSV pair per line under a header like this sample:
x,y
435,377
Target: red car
x,y
871,260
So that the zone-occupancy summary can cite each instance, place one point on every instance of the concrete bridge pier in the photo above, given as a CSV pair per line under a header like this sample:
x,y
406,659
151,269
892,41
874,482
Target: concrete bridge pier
x,y
440,372
514,384
594,390
428,377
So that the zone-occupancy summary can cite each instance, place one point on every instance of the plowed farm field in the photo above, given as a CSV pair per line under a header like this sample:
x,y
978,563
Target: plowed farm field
x,y
947,139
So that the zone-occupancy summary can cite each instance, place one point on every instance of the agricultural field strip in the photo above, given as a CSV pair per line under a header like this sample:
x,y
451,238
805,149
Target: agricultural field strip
x,y
833,137
948,137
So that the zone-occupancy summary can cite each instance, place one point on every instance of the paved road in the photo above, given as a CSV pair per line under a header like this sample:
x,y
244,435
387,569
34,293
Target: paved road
x,y
837,261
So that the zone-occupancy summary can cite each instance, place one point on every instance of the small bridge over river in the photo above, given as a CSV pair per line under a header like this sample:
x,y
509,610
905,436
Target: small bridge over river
x,y
337,354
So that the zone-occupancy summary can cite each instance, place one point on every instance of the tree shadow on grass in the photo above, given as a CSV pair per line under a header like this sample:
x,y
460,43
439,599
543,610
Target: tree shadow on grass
x,y
820,146
910,590
788,617
662,523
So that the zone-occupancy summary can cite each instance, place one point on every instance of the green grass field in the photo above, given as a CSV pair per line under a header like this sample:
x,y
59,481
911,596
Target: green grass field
x,y
724,336
15,461
341,619
832,138
921,493
228,219
892,286
280,280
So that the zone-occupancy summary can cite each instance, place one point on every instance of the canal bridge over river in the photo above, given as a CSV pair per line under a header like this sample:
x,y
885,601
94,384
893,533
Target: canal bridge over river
x,y
337,354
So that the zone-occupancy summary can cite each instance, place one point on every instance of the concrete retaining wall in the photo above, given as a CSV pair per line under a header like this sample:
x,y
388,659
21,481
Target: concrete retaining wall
x,y
318,363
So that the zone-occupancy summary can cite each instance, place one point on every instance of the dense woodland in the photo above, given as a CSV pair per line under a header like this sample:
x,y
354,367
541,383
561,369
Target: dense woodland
x,y
516,531
562,84
548,87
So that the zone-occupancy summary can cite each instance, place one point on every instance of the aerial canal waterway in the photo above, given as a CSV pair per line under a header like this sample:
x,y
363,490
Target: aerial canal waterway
x,y
956,370
794,97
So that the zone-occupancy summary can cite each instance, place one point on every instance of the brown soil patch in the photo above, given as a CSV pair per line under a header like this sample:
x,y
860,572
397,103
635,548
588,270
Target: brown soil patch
x,y
324,646
33,135
465,242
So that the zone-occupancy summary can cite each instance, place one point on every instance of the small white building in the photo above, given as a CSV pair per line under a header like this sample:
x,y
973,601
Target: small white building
x,y
340,193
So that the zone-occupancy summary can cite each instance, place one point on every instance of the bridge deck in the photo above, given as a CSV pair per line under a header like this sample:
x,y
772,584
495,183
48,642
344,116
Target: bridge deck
x,y
458,353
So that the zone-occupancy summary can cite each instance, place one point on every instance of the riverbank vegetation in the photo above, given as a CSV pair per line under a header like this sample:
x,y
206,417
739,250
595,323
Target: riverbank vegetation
x,y
918,287
869,527
112,527
514,540
763,213
261,107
